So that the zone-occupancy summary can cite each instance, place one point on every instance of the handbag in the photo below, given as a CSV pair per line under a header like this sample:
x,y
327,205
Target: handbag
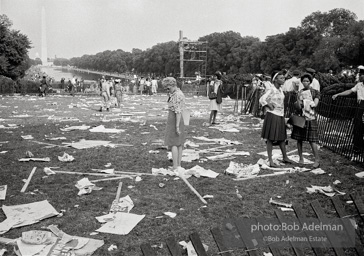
x,y
212,95
298,121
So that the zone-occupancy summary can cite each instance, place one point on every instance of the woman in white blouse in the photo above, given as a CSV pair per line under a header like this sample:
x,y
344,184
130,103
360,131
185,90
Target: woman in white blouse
x,y
274,126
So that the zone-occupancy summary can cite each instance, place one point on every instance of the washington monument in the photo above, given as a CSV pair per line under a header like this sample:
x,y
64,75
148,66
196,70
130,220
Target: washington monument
x,y
44,38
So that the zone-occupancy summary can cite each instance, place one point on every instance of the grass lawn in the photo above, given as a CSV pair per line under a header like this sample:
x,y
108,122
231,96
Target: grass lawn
x,y
146,125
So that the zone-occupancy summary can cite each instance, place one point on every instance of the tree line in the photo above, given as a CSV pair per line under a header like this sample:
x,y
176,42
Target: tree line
x,y
332,40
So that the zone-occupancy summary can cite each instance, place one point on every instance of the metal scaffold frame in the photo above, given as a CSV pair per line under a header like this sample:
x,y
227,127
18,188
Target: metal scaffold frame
x,y
193,52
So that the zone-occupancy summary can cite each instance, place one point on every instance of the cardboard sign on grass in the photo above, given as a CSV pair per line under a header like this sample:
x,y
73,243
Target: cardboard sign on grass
x,y
122,224
26,214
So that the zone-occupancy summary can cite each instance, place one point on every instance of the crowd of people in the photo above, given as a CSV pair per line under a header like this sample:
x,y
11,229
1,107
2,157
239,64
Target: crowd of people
x,y
272,90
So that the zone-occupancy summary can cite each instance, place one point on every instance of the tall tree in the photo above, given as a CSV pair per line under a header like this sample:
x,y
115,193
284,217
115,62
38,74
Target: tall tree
x,y
14,46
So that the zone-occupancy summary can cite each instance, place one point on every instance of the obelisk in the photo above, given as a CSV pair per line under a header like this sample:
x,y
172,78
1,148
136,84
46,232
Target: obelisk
x,y
44,38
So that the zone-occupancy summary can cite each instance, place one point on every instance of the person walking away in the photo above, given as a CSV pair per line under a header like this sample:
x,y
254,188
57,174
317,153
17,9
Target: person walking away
x,y
214,106
148,85
105,93
358,131
307,100
274,126
175,128
141,85
118,92
43,87
73,87
154,85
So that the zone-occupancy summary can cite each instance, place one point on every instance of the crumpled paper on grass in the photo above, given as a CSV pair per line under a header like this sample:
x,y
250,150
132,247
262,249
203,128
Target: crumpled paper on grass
x,y
327,190
66,158
26,214
85,186
359,174
196,171
125,204
243,170
318,171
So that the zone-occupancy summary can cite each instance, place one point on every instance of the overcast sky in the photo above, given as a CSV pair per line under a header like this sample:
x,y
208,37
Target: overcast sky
x,y
78,27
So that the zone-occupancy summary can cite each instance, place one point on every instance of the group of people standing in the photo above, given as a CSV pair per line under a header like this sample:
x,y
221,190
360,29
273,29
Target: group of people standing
x,y
112,92
148,85
308,97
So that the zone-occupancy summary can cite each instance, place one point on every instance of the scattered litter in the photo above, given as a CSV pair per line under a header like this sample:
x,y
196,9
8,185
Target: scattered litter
x,y
27,137
188,155
163,171
28,180
190,144
102,128
202,172
328,190
82,144
285,209
26,214
66,158
48,171
72,128
3,189
267,254
318,171
45,159
94,233
208,196
122,224
271,201
112,247
72,245
220,141
228,155
137,178
359,174
155,128
3,152
190,249
108,171
238,194
29,154
242,170
153,151
131,186
125,204
336,182
107,165
161,185
57,138
170,214
85,186
349,202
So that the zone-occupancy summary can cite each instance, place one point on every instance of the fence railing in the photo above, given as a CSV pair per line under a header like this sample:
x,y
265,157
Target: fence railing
x,y
340,122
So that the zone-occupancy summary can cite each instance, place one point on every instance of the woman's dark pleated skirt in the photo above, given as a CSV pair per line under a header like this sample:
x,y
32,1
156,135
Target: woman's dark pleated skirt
x,y
274,128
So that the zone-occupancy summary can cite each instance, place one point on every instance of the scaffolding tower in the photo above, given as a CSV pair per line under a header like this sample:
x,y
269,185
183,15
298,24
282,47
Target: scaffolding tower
x,y
194,53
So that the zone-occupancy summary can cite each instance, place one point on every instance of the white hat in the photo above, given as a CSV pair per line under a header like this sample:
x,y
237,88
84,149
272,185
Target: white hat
x,y
361,67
